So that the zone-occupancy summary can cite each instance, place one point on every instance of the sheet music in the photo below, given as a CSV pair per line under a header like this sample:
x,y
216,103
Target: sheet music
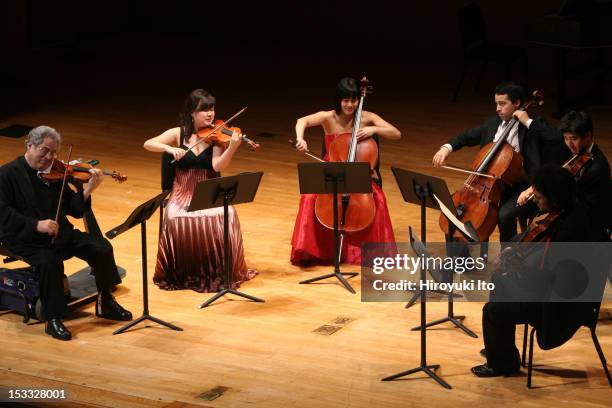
x,y
460,226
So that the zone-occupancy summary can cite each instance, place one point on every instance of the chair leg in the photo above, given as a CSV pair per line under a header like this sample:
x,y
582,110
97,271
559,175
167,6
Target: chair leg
x,y
161,219
530,366
456,94
484,250
602,358
524,355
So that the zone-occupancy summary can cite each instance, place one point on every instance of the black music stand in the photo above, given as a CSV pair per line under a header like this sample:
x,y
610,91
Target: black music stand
x,y
404,179
420,189
224,191
335,178
140,215
443,201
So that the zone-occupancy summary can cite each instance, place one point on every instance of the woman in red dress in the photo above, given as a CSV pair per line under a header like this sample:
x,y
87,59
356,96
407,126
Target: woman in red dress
x,y
312,243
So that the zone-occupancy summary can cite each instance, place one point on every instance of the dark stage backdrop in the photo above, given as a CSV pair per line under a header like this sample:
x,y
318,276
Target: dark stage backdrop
x,y
410,28
42,43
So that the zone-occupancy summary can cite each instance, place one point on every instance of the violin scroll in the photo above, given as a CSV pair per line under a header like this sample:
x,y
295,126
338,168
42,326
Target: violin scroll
x,y
252,144
120,178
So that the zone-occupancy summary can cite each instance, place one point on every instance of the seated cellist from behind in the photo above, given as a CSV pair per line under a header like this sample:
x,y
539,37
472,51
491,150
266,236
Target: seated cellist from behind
x,y
566,220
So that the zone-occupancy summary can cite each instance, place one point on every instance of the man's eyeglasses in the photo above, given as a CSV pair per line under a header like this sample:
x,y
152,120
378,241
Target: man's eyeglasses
x,y
45,151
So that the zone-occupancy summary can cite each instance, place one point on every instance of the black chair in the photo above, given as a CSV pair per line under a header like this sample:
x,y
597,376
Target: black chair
x,y
589,321
559,323
478,51
609,220
168,172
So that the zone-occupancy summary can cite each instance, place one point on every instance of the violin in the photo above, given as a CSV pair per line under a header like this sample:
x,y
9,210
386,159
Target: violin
x,y
577,162
574,165
511,261
221,134
78,172
496,166
357,210
536,231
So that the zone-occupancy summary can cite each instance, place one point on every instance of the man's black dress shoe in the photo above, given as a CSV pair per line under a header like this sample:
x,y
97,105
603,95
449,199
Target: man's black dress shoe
x,y
56,328
107,307
483,352
485,371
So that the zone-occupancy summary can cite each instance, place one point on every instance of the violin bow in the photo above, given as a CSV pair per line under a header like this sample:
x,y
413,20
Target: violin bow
x,y
61,197
219,126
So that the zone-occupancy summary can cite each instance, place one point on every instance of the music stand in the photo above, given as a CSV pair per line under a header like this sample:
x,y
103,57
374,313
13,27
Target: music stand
x,y
438,198
140,215
224,191
420,189
335,178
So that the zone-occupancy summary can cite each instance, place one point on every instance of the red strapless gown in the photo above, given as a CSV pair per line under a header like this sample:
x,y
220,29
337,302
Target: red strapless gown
x,y
313,244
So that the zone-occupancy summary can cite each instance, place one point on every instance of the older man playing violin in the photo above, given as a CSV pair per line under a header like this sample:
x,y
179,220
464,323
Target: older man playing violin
x,y
29,228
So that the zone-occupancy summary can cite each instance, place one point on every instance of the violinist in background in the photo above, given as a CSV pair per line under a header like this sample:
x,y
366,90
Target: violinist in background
x,y
592,175
28,206
312,243
190,254
554,192
528,137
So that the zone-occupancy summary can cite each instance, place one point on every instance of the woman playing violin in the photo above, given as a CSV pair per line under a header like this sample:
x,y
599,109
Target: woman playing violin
x,y
312,243
190,251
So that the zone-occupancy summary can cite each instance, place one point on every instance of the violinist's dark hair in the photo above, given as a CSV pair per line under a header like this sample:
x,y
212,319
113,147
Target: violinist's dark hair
x,y
196,101
346,88
557,185
576,123
515,92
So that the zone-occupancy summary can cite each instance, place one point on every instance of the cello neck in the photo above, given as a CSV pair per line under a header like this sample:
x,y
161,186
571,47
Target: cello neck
x,y
538,100
356,124
365,88
497,145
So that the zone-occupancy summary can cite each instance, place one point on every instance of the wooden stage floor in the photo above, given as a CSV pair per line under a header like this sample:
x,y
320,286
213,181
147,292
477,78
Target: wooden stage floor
x,y
268,355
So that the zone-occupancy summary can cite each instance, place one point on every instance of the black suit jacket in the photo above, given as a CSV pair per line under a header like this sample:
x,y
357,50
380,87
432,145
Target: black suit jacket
x,y
561,320
21,209
532,141
594,192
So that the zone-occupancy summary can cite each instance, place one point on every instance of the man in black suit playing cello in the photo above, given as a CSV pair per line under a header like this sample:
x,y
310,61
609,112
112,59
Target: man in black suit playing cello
x,y
527,137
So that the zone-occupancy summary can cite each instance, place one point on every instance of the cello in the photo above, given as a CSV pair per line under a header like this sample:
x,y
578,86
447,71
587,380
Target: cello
x,y
356,210
496,166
